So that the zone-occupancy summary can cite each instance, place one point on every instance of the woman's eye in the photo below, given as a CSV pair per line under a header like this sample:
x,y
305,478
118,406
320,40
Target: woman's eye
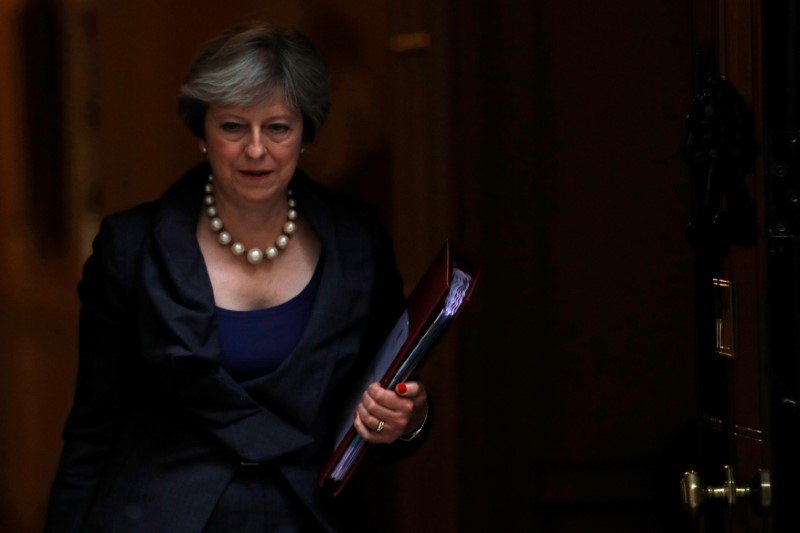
x,y
231,127
278,128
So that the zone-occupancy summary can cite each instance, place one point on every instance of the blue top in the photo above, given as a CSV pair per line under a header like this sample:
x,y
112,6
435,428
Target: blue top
x,y
254,343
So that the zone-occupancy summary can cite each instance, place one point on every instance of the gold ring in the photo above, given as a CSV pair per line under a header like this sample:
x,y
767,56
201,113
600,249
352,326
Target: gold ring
x,y
381,424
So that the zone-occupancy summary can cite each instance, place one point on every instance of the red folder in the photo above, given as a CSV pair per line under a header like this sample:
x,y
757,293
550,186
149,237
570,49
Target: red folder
x,y
437,299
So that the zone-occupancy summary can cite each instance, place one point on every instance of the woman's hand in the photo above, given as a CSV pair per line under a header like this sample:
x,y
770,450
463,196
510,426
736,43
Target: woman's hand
x,y
384,415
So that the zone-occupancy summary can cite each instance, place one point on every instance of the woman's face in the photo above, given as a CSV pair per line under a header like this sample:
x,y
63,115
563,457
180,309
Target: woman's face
x,y
253,150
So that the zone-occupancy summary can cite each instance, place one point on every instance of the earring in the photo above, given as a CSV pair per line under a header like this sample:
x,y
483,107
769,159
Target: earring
x,y
203,149
302,149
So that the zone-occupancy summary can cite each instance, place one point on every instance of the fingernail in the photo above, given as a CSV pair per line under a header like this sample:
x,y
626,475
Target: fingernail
x,y
401,388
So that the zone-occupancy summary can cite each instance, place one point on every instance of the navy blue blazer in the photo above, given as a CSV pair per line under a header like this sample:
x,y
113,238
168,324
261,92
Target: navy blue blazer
x,y
158,429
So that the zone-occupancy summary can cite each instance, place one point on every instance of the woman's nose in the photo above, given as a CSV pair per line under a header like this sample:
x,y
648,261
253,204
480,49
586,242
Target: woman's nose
x,y
255,148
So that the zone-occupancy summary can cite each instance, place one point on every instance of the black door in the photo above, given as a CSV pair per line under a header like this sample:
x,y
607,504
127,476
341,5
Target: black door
x,y
782,163
729,490
742,150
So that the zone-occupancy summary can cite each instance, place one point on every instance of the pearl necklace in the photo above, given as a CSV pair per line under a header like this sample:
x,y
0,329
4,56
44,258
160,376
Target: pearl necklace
x,y
254,255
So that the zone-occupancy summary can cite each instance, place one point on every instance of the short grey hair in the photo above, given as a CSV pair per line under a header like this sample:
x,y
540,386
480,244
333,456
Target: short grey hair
x,y
250,63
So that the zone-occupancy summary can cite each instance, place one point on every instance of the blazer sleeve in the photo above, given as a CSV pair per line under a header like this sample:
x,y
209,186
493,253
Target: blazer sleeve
x,y
106,347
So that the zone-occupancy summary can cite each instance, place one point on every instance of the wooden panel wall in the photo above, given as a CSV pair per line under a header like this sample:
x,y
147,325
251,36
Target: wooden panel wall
x,y
576,383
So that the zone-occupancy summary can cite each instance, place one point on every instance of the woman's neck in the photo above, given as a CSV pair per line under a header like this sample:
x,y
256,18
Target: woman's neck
x,y
253,224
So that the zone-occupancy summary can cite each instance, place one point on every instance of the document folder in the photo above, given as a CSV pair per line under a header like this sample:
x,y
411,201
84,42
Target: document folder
x,y
436,300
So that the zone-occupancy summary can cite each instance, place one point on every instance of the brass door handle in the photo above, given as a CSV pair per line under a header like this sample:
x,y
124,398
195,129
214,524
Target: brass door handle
x,y
695,493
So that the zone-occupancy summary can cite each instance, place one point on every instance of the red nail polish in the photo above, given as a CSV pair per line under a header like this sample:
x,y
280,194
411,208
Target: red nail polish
x,y
401,388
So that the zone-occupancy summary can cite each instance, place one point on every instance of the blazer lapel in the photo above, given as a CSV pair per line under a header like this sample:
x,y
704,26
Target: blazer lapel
x,y
175,277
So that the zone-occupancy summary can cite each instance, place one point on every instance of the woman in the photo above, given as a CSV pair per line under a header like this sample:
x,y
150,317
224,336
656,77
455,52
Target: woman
x,y
222,325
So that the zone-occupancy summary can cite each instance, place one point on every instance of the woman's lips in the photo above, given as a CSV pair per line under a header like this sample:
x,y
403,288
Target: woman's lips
x,y
255,173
